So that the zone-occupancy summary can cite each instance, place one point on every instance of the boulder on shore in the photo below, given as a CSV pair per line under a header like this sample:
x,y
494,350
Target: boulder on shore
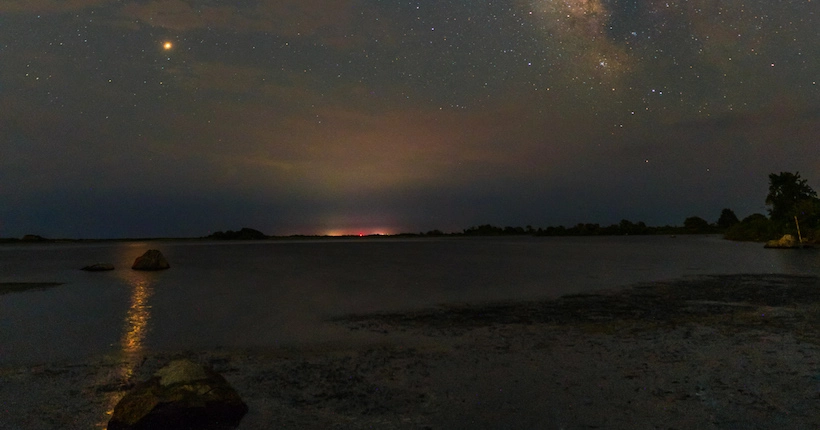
x,y
151,260
785,242
98,267
181,395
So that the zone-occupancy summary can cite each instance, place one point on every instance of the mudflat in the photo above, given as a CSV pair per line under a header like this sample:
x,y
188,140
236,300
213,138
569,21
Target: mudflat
x,y
17,287
718,352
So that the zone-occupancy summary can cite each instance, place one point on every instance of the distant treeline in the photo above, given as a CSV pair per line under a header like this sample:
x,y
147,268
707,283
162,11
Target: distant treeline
x,y
692,225
793,209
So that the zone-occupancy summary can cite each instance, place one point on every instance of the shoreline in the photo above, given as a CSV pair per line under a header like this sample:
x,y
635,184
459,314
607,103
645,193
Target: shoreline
x,y
713,352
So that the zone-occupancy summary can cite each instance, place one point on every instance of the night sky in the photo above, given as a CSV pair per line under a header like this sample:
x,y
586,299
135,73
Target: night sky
x,y
181,118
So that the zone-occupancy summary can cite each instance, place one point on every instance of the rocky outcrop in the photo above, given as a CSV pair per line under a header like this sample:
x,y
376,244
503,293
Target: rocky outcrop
x,y
181,395
151,260
785,242
98,267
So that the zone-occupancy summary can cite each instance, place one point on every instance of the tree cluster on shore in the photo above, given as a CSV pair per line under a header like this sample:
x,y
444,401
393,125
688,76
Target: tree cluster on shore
x,y
692,225
793,209
792,204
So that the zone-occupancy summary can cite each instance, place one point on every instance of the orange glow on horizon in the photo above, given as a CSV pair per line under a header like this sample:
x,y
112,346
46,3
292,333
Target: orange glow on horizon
x,y
355,232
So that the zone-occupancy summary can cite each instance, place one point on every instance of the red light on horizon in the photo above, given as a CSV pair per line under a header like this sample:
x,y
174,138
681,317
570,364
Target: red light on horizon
x,y
355,233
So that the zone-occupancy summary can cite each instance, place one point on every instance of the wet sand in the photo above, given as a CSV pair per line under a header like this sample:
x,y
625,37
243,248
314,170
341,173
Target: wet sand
x,y
724,352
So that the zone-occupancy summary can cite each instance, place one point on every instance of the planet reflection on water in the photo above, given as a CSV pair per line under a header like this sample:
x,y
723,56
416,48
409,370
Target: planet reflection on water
x,y
135,330
135,327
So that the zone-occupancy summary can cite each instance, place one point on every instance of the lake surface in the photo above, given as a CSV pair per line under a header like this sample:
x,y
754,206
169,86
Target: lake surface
x,y
277,293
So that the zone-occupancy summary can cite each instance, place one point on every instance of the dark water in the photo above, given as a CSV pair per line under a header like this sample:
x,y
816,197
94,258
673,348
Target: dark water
x,y
277,293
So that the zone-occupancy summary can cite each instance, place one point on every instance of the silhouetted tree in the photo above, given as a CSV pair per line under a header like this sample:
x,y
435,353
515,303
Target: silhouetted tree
x,y
695,224
484,230
587,229
754,227
727,218
808,212
510,230
626,226
786,192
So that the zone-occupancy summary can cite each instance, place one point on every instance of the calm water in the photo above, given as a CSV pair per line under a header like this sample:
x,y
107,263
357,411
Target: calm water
x,y
277,293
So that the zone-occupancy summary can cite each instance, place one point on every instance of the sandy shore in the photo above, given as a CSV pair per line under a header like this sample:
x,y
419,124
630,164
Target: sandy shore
x,y
726,352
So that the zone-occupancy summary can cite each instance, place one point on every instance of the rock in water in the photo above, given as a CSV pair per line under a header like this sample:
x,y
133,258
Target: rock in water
x,y
787,241
151,260
98,267
181,395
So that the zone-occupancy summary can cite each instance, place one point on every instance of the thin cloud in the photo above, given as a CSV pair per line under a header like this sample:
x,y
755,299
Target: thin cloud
x,y
49,6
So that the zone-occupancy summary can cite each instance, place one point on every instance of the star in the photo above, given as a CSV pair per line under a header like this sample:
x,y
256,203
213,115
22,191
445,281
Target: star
x,y
167,46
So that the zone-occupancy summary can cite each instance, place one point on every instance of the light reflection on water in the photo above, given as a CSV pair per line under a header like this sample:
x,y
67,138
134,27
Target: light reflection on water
x,y
136,321
271,293
135,330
